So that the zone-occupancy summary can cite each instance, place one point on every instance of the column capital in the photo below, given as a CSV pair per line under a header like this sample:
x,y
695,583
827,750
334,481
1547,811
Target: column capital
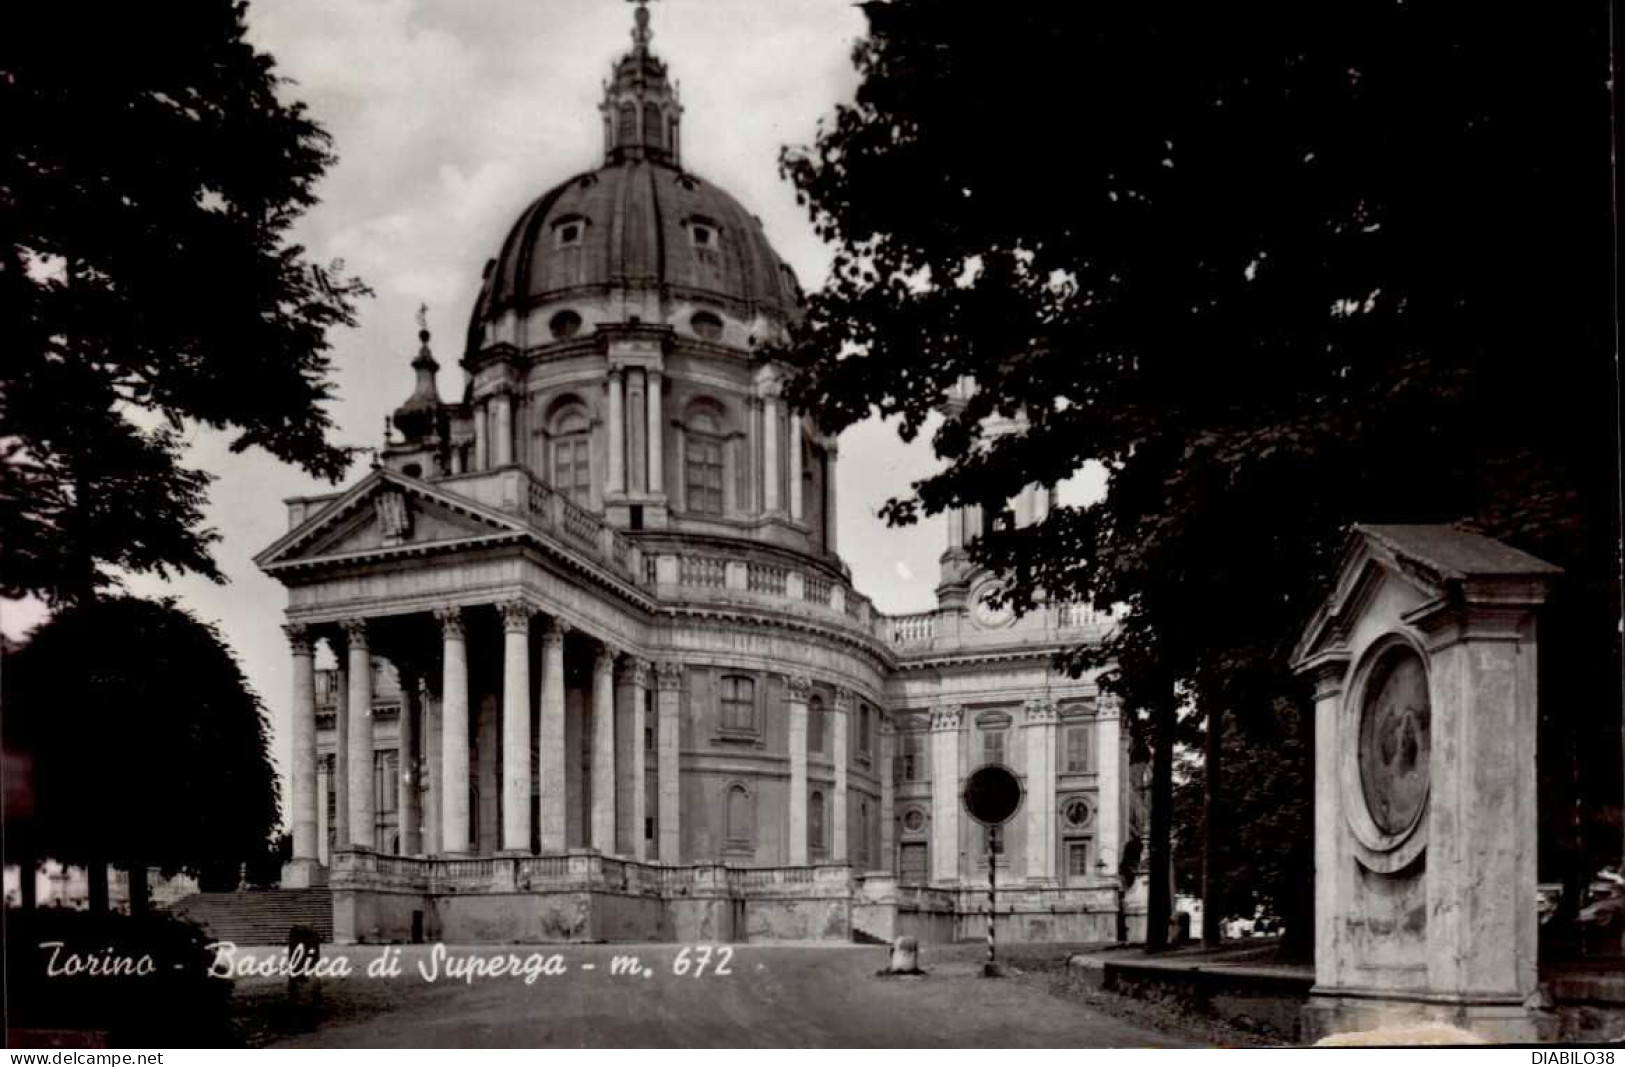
x,y
1108,705
553,631
1039,712
887,729
451,621
946,717
634,669
299,638
800,687
355,631
516,615
604,657
616,369
669,676
843,699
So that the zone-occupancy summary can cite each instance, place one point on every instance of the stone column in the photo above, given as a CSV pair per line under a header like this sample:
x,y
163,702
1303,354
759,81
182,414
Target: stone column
x,y
770,450
639,772
1109,773
362,831
657,469
341,741
1039,727
502,417
794,446
410,777
429,772
603,750
550,743
831,453
303,731
454,838
324,782
668,696
842,713
482,437
887,860
797,689
515,726
945,793
617,430
623,756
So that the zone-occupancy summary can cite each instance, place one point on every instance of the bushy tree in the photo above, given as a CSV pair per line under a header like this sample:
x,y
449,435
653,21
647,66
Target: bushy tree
x,y
148,746
149,178
1279,269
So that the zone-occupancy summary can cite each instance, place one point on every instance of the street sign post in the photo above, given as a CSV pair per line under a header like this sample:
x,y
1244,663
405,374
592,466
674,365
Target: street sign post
x,y
992,796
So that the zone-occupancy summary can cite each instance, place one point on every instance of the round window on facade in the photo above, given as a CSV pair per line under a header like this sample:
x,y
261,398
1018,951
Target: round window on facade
x,y
913,820
564,324
1076,812
1395,742
706,325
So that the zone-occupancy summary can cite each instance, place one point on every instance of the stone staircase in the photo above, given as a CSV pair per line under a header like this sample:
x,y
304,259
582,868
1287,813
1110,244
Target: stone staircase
x,y
259,917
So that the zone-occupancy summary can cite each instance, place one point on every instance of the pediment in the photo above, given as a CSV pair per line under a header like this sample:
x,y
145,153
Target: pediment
x,y
387,511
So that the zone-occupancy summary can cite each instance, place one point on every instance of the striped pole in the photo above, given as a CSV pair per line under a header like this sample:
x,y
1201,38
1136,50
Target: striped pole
x,y
991,970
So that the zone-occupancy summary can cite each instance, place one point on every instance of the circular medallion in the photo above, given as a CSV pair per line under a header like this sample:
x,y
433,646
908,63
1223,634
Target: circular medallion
x,y
913,820
984,611
1076,812
1394,742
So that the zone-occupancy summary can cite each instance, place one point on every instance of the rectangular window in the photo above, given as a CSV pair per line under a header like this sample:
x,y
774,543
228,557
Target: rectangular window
x,y
1077,859
908,767
993,746
863,730
738,703
911,863
703,478
385,781
572,468
1077,750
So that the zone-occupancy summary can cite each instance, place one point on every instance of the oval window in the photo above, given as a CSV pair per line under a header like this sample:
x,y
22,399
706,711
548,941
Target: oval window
x,y
564,324
706,325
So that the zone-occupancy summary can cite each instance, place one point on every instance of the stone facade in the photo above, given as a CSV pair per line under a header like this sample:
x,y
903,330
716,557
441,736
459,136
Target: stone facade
x,y
597,668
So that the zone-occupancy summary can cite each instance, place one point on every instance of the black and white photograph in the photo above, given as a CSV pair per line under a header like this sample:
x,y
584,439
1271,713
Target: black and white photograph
x,y
598,524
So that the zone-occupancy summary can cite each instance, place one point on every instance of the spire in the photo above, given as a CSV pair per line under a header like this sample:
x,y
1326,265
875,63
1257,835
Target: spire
x,y
419,417
640,107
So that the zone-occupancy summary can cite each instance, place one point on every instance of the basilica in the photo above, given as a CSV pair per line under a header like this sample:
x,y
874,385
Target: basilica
x,y
599,671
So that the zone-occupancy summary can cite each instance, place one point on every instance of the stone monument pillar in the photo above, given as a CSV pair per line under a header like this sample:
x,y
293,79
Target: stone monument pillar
x,y
1423,666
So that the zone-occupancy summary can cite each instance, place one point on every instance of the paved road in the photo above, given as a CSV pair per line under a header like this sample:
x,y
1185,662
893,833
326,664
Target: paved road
x,y
774,996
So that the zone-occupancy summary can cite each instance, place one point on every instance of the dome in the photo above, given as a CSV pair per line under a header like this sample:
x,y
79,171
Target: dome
x,y
640,237
639,224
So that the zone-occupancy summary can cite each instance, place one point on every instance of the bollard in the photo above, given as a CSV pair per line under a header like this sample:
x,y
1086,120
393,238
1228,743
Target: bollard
x,y
905,956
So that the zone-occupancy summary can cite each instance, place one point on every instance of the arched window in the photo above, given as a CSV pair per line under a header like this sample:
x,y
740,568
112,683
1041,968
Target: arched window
x,y
702,462
815,822
817,724
653,128
738,699
626,127
572,454
741,818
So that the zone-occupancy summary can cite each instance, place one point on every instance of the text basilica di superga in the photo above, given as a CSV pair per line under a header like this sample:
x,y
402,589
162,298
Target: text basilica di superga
x,y
601,671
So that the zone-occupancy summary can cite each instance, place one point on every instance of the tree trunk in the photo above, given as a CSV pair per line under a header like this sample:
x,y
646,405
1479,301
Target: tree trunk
x,y
27,879
140,895
1212,830
96,886
1160,905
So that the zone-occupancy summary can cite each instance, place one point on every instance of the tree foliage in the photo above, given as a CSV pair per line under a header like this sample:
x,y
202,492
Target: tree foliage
x,y
147,744
150,178
1277,268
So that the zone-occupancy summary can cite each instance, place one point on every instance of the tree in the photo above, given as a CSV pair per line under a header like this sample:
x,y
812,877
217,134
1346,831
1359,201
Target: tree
x,y
149,180
1278,270
149,747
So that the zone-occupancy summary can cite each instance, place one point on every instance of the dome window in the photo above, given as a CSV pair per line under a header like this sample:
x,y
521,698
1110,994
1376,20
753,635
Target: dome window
x,y
568,232
706,325
564,325
704,236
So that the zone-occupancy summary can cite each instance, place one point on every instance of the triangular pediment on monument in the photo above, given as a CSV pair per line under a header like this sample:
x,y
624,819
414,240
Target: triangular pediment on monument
x,y
1427,563
387,512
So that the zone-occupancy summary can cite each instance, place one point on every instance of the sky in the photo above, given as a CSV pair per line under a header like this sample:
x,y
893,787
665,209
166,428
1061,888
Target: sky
x,y
448,118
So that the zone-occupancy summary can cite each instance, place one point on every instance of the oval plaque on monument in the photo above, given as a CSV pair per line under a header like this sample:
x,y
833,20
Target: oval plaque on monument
x,y
1394,744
